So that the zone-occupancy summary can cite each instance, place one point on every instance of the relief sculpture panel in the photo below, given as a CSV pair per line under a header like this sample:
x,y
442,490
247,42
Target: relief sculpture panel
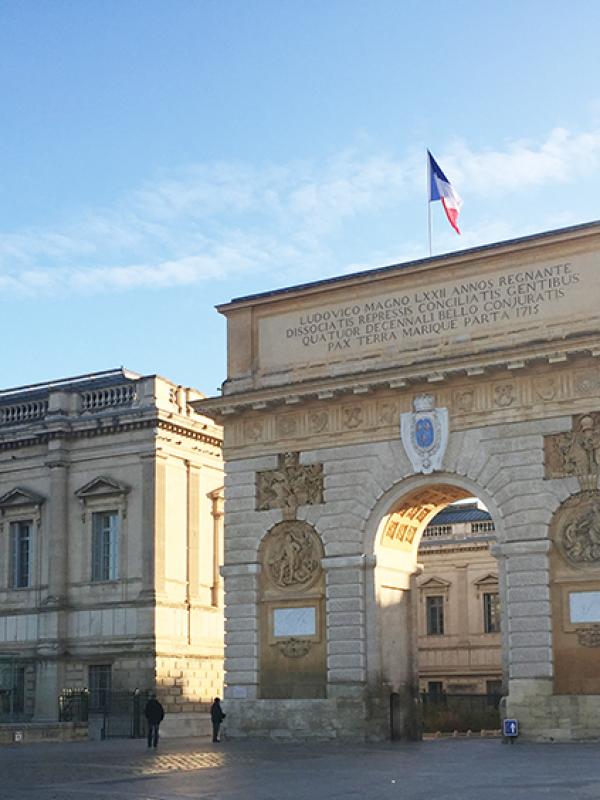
x,y
576,453
578,529
289,485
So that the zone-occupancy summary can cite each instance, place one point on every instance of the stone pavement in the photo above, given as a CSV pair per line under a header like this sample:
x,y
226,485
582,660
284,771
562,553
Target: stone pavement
x,y
253,770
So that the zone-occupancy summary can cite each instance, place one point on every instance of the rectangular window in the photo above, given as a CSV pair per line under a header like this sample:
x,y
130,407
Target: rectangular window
x,y
21,552
100,684
435,615
491,612
435,688
105,527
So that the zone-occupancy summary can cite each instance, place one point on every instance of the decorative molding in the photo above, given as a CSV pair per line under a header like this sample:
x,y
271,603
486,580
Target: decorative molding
x,y
20,498
434,584
101,487
289,485
14,440
327,419
292,553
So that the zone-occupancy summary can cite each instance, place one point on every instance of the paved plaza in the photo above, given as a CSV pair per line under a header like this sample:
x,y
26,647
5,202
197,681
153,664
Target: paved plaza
x,y
252,770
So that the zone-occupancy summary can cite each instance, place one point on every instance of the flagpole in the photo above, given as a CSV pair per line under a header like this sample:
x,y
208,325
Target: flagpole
x,y
428,200
429,225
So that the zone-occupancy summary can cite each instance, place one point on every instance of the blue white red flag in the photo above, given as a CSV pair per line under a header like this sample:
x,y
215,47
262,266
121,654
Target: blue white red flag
x,y
440,188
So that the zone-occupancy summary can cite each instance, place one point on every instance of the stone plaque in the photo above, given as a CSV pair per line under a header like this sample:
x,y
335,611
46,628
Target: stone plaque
x,y
584,607
295,621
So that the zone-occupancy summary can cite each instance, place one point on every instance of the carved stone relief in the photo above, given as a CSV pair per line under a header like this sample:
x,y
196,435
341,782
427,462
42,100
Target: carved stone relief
x,y
587,382
292,555
504,394
294,648
577,529
289,486
253,430
576,453
318,421
545,387
287,425
352,416
589,637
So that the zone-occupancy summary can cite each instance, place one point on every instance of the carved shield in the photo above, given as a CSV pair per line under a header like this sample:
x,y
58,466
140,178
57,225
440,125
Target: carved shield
x,y
424,433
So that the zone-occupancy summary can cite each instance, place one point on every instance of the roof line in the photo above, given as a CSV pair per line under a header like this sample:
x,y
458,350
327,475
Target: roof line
x,y
418,262
89,376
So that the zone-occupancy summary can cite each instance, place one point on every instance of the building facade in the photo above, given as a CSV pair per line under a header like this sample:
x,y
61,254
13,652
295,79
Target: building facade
x,y
110,544
357,408
458,614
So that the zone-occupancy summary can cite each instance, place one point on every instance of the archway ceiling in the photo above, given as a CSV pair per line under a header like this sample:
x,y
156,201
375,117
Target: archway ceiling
x,y
411,516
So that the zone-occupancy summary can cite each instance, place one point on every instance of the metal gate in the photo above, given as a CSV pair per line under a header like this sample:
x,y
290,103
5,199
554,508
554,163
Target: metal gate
x,y
123,715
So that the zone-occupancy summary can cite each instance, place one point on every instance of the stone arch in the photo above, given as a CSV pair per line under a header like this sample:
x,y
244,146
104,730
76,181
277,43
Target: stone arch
x,y
392,533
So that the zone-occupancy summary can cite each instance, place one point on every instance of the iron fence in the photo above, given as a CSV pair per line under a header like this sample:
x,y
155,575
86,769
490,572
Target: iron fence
x,y
460,712
73,705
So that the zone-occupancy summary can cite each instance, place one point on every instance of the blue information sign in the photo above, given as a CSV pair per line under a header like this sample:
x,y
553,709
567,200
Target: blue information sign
x,y
510,727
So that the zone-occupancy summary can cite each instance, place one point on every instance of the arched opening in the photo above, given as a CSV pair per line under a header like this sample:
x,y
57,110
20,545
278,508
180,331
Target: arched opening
x,y
437,612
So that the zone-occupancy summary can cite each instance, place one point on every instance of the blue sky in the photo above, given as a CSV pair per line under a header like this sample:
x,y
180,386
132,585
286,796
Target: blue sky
x,y
158,157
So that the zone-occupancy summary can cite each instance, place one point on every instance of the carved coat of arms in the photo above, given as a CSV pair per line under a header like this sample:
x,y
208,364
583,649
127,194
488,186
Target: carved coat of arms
x,y
424,433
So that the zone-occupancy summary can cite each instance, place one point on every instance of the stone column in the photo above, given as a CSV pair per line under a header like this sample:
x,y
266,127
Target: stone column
x,y
241,630
57,544
217,515
193,529
53,619
345,578
154,512
147,532
528,622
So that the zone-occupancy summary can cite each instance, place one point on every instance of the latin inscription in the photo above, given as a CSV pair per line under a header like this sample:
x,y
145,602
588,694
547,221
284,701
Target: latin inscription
x,y
456,311
464,307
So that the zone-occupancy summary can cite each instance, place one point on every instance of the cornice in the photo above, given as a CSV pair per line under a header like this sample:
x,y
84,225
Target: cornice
x,y
436,371
552,388
11,440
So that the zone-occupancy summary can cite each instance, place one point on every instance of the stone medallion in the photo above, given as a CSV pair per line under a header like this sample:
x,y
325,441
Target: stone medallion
x,y
292,555
577,531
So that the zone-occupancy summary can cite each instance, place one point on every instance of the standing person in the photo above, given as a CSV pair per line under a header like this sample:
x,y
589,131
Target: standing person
x,y
217,716
154,713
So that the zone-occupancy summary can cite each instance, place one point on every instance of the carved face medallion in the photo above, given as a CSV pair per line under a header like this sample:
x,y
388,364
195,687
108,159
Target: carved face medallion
x,y
292,554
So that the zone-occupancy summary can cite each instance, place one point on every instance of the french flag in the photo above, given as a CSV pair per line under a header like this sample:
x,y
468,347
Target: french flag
x,y
440,188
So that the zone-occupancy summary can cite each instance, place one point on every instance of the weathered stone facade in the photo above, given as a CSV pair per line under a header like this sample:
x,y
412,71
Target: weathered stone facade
x,y
111,511
505,341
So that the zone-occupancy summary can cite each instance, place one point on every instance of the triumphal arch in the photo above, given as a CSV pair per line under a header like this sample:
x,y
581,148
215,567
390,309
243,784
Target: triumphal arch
x,y
354,410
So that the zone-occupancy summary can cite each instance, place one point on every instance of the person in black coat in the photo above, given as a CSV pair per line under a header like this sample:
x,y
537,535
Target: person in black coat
x,y
217,716
154,713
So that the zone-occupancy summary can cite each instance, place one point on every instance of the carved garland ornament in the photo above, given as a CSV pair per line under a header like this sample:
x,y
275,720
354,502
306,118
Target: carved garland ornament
x,y
294,648
578,529
292,555
589,637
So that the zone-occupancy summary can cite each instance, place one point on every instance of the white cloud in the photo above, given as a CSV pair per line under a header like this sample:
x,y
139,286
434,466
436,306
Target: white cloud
x,y
292,221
